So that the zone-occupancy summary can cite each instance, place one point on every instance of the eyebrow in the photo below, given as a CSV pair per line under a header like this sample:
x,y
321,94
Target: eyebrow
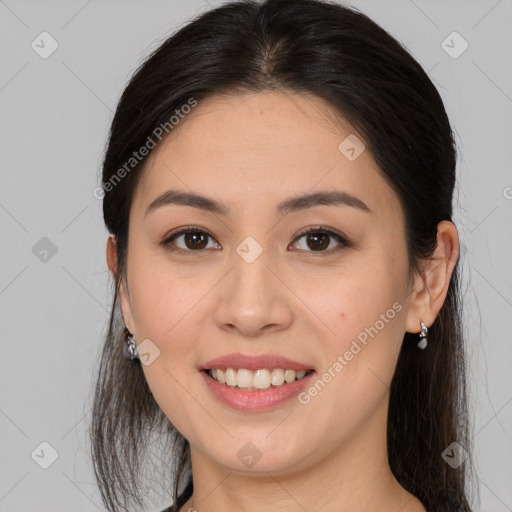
x,y
296,203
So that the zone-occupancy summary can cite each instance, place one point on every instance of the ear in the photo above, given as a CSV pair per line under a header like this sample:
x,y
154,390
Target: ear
x,y
124,296
431,288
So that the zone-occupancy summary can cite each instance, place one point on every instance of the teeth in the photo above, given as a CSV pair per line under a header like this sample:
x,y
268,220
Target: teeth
x,y
244,378
231,377
277,377
289,375
259,379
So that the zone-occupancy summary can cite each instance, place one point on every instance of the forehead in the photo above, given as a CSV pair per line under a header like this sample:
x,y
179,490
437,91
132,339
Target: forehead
x,y
261,147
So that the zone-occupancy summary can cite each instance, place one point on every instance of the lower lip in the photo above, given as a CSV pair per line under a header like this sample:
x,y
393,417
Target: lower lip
x,y
255,400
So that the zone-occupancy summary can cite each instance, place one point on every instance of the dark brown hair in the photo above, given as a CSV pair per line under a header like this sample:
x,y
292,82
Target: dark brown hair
x,y
341,56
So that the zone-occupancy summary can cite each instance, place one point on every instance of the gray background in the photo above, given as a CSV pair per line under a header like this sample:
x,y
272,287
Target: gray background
x,y
55,115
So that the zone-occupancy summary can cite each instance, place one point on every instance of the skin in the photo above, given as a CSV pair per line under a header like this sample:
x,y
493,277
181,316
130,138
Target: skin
x,y
251,152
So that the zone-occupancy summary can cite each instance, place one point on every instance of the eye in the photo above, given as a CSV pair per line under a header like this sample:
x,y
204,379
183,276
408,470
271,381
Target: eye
x,y
194,239
319,239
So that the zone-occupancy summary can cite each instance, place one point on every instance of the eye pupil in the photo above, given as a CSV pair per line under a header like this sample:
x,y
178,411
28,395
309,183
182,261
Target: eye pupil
x,y
191,237
322,237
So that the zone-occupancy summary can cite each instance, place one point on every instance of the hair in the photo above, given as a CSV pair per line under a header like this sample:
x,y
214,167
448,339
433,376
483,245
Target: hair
x,y
369,79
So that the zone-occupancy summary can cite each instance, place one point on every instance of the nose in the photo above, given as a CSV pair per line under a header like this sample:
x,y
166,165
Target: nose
x,y
254,298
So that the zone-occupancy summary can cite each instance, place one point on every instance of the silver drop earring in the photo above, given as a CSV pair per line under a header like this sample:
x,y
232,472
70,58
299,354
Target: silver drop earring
x,y
132,347
423,336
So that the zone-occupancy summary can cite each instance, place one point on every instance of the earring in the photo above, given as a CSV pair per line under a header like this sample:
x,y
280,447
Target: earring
x,y
423,337
132,347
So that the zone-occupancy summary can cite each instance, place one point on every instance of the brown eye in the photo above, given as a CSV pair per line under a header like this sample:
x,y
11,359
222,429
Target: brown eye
x,y
195,240
319,240
192,240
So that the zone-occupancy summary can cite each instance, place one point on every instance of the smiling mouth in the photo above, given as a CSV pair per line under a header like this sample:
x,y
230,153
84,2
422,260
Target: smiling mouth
x,y
258,380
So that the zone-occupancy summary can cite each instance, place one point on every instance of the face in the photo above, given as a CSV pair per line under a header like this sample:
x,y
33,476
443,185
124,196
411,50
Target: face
x,y
246,280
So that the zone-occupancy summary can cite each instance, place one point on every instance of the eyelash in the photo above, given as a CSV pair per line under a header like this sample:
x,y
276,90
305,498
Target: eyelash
x,y
316,229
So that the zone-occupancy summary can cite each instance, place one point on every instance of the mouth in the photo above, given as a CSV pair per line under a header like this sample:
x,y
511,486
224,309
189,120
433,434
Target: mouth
x,y
256,380
262,389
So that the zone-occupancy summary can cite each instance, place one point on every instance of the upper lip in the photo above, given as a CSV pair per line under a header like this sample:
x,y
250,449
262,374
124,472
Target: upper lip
x,y
254,362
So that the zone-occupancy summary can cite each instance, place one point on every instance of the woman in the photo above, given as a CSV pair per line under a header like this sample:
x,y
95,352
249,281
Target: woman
x,y
278,191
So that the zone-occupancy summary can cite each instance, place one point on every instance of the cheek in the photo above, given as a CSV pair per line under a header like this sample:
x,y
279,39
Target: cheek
x,y
366,317
355,304
161,298
164,313
358,365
